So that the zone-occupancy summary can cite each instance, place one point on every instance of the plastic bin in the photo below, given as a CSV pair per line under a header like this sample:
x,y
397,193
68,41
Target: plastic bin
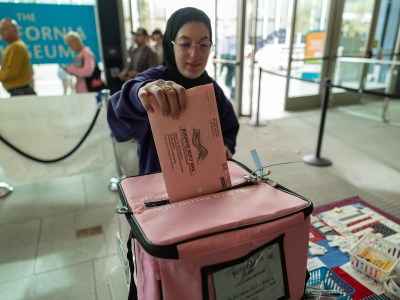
x,y
375,257
324,279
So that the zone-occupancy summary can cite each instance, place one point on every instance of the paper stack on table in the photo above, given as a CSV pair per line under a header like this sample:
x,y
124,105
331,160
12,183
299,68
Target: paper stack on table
x,y
191,149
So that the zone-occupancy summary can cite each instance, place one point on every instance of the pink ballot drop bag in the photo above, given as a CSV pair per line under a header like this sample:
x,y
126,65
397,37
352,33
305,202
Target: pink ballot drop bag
x,y
249,241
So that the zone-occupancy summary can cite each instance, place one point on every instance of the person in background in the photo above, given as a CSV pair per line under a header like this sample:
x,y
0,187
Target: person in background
x,y
187,43
141,57
229,53
83,63
157,36
16,73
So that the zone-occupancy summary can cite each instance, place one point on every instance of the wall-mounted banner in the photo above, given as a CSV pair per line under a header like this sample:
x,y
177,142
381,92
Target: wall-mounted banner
x,y
43,26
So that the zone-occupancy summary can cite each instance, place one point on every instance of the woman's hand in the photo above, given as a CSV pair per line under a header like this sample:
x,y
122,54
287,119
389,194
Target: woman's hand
x,y
122,75
131,74
170,96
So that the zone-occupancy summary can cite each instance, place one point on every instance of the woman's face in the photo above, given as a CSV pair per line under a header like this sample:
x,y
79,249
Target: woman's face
x,y
191,60
75,45
8,32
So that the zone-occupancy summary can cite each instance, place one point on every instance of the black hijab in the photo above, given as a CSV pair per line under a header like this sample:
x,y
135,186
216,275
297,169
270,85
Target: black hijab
x,y
175,22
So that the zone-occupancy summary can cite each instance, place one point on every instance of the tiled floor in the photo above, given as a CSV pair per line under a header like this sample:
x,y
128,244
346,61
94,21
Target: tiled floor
x,y
41,256
57,228
57,232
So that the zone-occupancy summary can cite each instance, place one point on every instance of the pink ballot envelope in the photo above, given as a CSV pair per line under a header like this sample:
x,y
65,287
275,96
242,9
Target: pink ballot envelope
x,y
190,149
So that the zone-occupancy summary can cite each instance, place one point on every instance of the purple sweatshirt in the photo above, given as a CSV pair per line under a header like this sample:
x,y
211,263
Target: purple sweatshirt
x,y
128,119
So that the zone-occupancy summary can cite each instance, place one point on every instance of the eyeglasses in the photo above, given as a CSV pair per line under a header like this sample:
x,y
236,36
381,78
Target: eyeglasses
x,y
187,47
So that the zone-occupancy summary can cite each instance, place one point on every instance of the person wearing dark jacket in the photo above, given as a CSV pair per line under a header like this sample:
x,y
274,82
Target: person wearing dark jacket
x,y
187,43
141,57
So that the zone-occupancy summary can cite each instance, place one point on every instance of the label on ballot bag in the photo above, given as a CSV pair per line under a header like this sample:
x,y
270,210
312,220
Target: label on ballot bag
x,y
191,149
261,276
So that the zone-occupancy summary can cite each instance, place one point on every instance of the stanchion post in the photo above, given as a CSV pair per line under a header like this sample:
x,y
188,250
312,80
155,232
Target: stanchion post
x,y
257,122
316,159
259,97
104,96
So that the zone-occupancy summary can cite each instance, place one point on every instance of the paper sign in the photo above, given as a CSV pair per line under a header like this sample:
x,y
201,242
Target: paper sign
x,y
259,277
191,149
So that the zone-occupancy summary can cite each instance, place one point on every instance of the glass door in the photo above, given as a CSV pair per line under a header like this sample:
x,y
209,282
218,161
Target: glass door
x,y
239,28
269,45
356,39
254,41
227,57
308,42
382,72
333,39
387,46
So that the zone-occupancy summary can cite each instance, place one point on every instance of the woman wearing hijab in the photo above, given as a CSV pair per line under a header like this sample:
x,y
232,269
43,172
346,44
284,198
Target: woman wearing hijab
x,y
187,43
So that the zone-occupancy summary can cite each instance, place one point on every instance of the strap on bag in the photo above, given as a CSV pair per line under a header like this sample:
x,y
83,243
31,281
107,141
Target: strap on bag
x,y
132,288
94,83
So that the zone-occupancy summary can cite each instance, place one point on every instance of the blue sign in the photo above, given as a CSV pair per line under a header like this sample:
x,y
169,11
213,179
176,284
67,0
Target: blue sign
x,y
42,27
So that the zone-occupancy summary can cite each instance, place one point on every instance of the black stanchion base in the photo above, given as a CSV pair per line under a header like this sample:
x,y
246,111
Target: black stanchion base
x,y
257,123
311,159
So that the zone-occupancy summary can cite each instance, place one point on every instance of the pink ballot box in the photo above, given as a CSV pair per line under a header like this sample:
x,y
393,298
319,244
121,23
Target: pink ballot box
x,y
191,149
